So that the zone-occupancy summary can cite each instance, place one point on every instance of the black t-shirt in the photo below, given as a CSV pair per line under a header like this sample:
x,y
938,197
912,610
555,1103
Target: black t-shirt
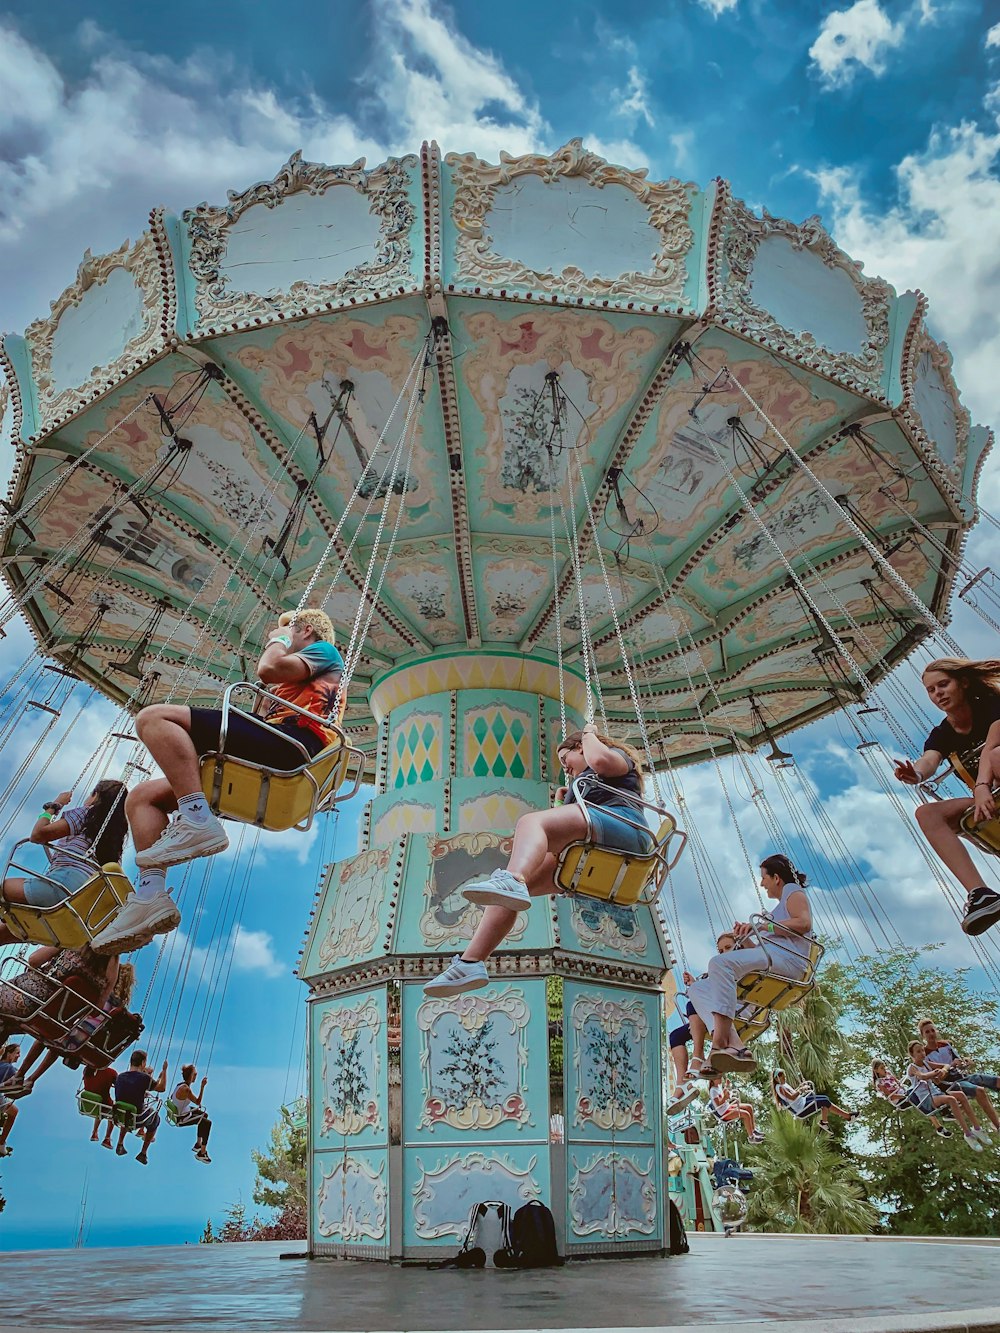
x,y
946,740
624,785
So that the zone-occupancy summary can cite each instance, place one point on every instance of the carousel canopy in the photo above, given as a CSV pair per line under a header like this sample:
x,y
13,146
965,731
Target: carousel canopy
x,y
529,407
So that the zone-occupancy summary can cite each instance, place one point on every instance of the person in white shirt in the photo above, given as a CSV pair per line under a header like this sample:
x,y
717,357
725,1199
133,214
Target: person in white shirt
x,y
803,1101
783,947
720,1099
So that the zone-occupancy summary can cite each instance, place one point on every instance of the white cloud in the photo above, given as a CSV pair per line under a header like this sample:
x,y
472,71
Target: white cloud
x,y
718,7
850,38
85,160
253,952
634,100
993,36
935,238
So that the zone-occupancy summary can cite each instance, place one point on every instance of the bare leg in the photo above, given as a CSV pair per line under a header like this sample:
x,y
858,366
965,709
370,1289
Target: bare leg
x,y
543,833
165,730
13,892
34,1051
723,1033
946,1099
836,1110
679,1059
7,1119
983,1099
938,821
148,808
746,1115
497,922
699,1035
963,1102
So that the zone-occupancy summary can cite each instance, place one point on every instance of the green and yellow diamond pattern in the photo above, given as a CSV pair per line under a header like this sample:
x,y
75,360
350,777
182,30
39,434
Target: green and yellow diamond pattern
x,y
416,750
498,743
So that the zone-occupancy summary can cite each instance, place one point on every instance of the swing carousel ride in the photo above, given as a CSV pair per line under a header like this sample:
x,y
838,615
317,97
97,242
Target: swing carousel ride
x,y
548,441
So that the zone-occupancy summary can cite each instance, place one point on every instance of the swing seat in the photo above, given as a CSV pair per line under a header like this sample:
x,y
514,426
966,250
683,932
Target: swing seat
x,y
90,1105
173,1112
124,1115
278,799
75,920
47,1009
748,1029
772,990
986,835
626,879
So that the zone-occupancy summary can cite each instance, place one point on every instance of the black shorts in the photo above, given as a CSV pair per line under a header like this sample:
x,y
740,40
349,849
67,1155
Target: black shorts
x,y
245,740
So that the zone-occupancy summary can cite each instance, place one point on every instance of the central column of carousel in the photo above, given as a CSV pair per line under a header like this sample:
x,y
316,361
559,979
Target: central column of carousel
x,y
544,1085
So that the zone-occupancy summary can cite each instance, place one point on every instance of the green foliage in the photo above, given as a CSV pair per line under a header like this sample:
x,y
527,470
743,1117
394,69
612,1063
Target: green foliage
x,y
914,1182
802,1183
554,1017
923,1185
281,1167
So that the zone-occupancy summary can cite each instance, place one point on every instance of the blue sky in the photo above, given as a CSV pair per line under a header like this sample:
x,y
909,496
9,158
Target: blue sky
x,y
881,116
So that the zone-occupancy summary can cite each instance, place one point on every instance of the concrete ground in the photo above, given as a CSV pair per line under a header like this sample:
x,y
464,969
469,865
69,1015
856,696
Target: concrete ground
x,y
828,1285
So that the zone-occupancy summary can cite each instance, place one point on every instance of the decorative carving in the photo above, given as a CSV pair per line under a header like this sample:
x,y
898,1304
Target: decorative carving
x,y
454,862
443,1196
743,239
357,894
940,360
600,923
351,1200
476,183
470,1080
613,1196
386,187
351,1068
611,1060
142,263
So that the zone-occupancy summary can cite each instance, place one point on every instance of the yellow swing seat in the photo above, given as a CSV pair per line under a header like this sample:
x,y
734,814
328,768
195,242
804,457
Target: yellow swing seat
x,y
626,879
278,799
80,916
770,989
985,834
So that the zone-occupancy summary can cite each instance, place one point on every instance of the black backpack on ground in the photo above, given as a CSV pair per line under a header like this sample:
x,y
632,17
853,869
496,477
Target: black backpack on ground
x,y
533,1239
678,1236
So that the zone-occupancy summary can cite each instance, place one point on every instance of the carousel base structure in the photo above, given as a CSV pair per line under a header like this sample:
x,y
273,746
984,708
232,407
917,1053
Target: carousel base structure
x,y
749,1282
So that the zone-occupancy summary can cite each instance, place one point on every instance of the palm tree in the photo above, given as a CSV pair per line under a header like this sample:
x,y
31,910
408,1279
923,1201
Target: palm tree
x,y
801,1183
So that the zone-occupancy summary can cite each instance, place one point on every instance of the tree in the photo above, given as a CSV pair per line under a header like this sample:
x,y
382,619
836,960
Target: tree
x,y
802,1183
281,1168
923,1185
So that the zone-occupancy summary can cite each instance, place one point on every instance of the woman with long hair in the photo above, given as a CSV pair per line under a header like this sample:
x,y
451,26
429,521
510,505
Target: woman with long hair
x,y
95,830
726,1108
803,1101
539,838
968,693
191,1112
782,946
96,979
919,1096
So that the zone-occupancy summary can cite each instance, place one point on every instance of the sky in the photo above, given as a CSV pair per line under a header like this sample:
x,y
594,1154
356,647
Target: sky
x,y
882,117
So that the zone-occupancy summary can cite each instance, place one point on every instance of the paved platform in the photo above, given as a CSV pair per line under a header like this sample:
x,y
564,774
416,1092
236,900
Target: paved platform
x,y
759,1283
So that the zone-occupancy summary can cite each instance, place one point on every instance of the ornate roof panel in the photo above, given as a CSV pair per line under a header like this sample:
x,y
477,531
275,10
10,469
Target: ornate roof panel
x,y
718,419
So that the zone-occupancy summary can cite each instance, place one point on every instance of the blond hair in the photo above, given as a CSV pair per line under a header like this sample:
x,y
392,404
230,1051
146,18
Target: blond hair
x,y
926,1022
979,677
312,618
576,738
125,984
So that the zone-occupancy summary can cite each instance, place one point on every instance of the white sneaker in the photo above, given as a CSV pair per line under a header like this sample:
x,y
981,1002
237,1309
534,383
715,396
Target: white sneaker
x,y
973,1142
984,1136
457,978
502,889
136,924
183,841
